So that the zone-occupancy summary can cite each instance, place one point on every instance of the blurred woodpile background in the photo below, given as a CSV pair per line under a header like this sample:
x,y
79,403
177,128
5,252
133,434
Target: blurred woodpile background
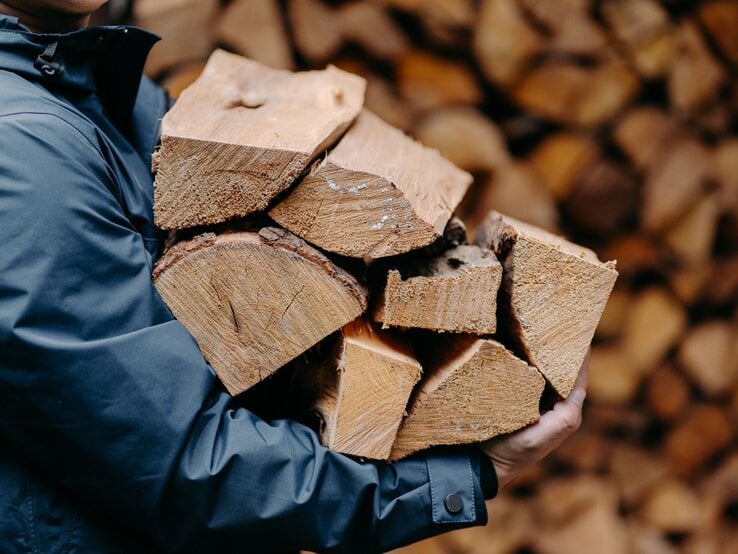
x,y
613,122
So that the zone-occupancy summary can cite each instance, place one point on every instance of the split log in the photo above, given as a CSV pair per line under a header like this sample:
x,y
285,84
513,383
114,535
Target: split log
x,y
668,394
697,439
612,320
572,29
473,389
465,137
255,29
692,238
695,77
636,471
454,292
644,134
362,393
246,326
673,507
726,173
654,325
674,184
504,42
595,528
315,30
368,25
709,356
720,19
552,296
383,99
690,282
427,81
183,26
568,93
242,134
378,193
515,189
561,158
613,379
643,26
603,199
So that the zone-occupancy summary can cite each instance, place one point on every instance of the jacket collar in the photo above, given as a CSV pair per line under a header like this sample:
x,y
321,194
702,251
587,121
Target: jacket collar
x,y
108,60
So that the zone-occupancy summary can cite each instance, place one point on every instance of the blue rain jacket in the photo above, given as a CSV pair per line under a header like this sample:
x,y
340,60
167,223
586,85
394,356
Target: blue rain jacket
x,y
115,436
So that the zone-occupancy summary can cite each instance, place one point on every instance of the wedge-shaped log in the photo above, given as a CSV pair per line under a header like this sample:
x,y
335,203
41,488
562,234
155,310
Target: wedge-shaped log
x,y
254,301
454,292
553,294
473,389
363,391
242,133
377,194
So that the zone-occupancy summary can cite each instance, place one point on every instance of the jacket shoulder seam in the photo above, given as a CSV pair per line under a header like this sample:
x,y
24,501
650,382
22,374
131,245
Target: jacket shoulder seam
x,y
56,116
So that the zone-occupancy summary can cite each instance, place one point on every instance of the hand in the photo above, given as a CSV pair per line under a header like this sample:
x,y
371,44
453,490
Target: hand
x,y
512,454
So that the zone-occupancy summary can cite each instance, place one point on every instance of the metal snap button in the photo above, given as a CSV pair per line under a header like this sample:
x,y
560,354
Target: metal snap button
x,y
454,504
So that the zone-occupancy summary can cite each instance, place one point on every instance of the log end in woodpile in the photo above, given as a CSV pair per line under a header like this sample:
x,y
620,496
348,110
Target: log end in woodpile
x,y
473,389
378,193
553,294
237,116
255,301
455,292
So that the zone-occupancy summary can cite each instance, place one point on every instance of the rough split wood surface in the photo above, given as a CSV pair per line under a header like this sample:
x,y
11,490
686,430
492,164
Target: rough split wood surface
x,y
242,133
378,193
254,301
474,389
553,294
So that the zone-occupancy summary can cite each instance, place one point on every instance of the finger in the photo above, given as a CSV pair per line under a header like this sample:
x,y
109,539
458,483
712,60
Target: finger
x,y
583,374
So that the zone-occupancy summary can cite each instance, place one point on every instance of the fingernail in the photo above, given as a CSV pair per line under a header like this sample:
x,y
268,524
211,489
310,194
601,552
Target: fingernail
x,y
577,396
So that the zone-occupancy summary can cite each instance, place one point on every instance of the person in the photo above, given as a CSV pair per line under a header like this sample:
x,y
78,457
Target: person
x,y
115,436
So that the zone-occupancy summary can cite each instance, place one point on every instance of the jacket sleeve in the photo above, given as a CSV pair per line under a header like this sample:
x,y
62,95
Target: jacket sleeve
x,y
109,395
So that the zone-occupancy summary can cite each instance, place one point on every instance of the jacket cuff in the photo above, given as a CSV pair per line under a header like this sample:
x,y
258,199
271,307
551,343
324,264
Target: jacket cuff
x,y
456,492
488,477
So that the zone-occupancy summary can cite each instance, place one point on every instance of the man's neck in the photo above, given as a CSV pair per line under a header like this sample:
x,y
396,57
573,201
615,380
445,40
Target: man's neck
x,y
46,22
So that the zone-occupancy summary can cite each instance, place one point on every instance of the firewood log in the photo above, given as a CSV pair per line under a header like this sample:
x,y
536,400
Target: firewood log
x,y
315,29
572,28
569,93
183,26
368,25
720,19
428,81
709,356
378,193
255,29
674,184
251,321
644,134
691,239
654,325
636,471
515,189
703,433
552,296
612,320
695,77
454,292
504,42
613,379
667,394
644,27
473,389
362,392
242,134
560,159
673,507
465,137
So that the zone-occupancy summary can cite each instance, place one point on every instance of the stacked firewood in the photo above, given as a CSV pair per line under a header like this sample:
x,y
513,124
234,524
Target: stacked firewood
x,y
295,172
612,121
